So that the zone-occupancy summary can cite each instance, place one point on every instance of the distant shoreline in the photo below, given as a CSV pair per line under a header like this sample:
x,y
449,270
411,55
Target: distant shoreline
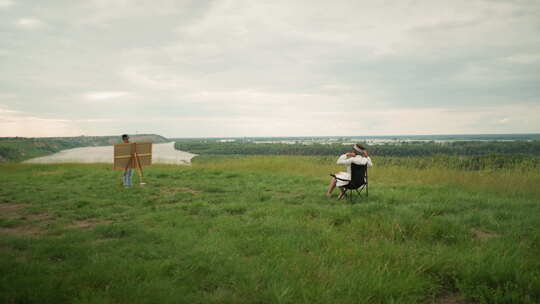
x,y
487,136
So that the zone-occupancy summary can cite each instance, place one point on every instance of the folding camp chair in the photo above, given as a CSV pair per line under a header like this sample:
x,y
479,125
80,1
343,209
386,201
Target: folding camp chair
x,y
358,182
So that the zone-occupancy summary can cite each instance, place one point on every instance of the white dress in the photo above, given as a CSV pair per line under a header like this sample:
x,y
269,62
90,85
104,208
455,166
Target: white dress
x,y
343,160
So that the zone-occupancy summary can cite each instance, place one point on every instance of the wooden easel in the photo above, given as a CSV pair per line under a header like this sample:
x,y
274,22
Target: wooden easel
x,y
135,157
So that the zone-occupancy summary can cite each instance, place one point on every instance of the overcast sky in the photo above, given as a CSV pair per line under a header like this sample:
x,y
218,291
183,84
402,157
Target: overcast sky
x,y
269,68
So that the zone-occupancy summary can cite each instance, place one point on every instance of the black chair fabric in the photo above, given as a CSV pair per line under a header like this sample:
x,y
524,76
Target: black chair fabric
x,y
358,177
358,182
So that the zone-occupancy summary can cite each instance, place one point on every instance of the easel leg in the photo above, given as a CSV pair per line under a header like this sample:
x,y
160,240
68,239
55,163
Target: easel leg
x,y
139,169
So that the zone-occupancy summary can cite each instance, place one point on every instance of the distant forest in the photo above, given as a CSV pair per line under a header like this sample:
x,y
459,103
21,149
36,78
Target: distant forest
x,y
407,149
456,137
522,155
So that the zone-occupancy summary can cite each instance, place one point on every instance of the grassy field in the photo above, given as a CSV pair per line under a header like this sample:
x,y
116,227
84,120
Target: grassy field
x,y
260,230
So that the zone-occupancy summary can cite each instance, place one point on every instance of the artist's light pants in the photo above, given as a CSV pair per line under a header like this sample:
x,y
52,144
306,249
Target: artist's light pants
x,y
127,177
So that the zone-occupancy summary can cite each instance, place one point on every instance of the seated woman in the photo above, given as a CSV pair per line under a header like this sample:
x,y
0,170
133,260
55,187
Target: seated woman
x,y
358,156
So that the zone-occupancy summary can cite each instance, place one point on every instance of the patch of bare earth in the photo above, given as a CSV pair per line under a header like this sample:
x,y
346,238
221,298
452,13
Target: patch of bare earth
x,y
31,225
43,218
452,298
8,209
481,235
89,223
173,191
23,230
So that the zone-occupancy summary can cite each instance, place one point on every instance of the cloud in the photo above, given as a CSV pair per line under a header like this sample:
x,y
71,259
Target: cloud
x,y
29,23
6,4
16,123
106,95
105,13
7,111
7,96
524,58
153,77
237,67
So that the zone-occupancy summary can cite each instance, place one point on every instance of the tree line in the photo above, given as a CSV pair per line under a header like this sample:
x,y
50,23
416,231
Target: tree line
x,y
455,155
410,149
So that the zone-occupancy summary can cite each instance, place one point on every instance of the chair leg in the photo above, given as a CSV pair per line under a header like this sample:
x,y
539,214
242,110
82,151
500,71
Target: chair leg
x,y
359,192
343,193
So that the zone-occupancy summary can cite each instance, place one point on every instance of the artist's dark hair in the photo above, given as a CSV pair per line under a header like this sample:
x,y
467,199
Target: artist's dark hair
x,y
124,136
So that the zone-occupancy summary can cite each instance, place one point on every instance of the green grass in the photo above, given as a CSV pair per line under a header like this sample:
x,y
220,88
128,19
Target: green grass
x,y
260,230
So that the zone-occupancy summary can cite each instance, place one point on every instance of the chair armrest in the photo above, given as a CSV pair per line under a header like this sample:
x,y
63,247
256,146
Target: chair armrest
x,y
341,179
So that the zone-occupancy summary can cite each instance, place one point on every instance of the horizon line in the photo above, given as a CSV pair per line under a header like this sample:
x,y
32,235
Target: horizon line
x,y
284,136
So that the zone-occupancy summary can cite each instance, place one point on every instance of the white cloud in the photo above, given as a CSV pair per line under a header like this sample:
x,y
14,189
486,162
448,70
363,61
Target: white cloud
x,y
6,3
518,118
524,58
154,77
16,123
29,23
6,111
238,67
36,127
101,13
106,95
7,96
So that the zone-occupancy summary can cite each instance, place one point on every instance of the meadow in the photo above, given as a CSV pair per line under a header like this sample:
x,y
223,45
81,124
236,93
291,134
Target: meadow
x,y
259,229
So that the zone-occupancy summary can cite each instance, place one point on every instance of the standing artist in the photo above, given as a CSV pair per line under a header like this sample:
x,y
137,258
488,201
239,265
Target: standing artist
x,y
128,173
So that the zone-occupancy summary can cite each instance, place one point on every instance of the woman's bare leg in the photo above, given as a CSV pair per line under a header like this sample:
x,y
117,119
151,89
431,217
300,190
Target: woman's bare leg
x,y
331,186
